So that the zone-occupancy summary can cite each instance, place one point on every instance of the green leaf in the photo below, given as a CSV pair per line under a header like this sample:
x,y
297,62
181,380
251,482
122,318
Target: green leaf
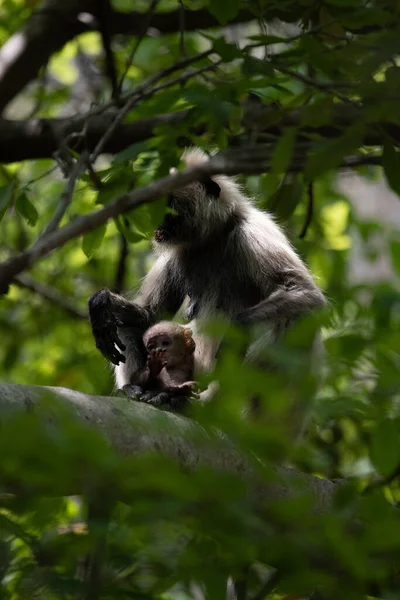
x,y
109,191
331,153
226,51
385,446
146,218
131,235
391,166
26,209
349,345
253,66
283,151
130,153
223,10
268,39
284,201
92,240
6,192
157,211
216,108
318,113
395,253
392,76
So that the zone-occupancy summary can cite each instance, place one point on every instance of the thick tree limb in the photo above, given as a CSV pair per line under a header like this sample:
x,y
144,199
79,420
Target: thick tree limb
x,y
133,428
40,138
56,23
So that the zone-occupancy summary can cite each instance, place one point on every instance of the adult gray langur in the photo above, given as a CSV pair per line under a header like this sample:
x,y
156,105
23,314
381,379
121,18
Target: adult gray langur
x,y
228,256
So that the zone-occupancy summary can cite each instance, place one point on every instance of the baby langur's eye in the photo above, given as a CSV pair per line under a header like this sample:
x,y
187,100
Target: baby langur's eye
x,y
165,343
150,346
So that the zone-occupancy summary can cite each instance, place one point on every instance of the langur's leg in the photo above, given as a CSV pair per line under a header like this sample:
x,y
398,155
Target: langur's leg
x,y
132,391
168,400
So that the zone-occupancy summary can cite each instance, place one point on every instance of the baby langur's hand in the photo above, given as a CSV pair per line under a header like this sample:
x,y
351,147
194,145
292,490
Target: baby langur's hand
x,y
156,362
188,388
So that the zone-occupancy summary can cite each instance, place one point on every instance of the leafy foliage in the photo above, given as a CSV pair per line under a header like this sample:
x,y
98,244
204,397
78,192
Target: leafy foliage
x,y
331,87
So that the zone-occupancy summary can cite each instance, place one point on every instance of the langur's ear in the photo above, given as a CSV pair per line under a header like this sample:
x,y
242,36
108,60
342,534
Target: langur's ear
x,y
189,341
212,187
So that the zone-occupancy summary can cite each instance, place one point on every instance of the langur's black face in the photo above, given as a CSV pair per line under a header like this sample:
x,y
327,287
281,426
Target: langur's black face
x,y
175,223
180,225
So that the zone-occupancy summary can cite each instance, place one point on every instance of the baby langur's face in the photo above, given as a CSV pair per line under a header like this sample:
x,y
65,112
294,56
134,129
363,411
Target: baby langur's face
x,y
173,347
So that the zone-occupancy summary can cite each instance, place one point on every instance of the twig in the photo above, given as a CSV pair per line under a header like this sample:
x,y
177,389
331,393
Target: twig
x,y
24,280
141,95
124,203
320,85
121,267
310,210
146,24
104,12
181,79
178,66
42,176
182,28
362,160
66,196
7,523
56,23
39,138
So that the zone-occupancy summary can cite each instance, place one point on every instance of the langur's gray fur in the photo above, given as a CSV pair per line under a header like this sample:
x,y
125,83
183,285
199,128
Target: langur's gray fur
x,y
230,258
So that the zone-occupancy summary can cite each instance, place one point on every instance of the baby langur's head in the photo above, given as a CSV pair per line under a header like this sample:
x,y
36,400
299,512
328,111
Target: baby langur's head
x,y
174,340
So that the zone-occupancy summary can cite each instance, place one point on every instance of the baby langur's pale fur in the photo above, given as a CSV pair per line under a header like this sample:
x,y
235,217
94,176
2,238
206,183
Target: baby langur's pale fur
x,y
229,257
170,362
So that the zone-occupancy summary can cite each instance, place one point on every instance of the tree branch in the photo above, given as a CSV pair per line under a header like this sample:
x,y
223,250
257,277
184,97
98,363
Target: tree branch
x,y
133,428
56,23
66,196
53,295
250,161
40,138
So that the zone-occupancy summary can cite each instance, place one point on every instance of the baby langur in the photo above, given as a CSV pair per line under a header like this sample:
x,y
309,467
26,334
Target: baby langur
x,y
170,363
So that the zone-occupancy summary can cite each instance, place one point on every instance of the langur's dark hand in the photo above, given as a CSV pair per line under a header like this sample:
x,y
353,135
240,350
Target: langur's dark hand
x,y
105,327
108,342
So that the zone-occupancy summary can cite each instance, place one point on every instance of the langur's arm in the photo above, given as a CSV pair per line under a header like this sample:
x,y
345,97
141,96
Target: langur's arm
x,y
110,312
107,312
297,295
161,290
